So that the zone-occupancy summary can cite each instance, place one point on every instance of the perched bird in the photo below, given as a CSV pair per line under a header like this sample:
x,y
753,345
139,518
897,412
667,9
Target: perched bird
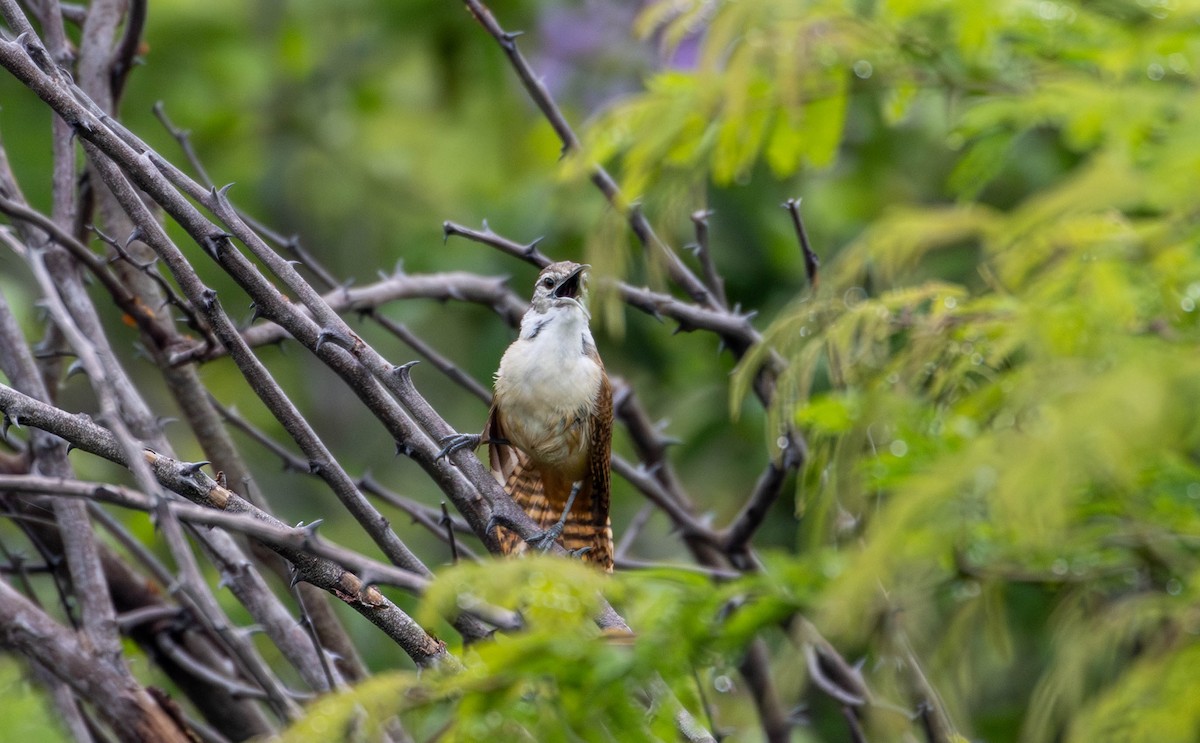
x,y
549,432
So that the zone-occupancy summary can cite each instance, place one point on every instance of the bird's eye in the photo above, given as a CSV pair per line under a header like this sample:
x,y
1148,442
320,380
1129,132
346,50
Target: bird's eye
x,y
547,282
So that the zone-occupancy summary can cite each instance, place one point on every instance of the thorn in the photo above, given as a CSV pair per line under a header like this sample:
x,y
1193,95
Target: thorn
x,y
337,336
404,371
315,466
323,336
212,244
403,448
447,229
135,235
531,248
191,469
255,312
486,228
310,530
76,367
208,298
223,193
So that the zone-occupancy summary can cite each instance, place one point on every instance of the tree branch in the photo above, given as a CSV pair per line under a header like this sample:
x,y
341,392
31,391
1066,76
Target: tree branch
x,y
189,482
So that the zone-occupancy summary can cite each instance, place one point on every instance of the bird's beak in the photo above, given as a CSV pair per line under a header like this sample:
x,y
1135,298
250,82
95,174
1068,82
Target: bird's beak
x,y
571,284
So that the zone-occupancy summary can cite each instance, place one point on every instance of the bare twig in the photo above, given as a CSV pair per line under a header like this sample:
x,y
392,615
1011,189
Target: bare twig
x,y
812,264
541,97
127,50
448,524
712,277
460,286
184,138
756,669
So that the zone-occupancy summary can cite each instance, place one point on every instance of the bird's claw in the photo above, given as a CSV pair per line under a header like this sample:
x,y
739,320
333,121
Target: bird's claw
x,y
491,524
579,553
454,442
544,540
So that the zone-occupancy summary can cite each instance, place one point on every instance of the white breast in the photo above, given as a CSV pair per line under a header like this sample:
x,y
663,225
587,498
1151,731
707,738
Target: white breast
x,y
546,388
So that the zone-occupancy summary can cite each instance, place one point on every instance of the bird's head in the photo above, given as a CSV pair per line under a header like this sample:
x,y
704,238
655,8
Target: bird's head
x,y
561,285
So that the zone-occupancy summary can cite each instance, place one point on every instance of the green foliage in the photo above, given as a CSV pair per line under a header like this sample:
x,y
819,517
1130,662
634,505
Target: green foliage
x,y
560,678
1033,424
24,714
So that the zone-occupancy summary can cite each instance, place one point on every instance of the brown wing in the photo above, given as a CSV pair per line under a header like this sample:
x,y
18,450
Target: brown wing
x,y
503,458
588,524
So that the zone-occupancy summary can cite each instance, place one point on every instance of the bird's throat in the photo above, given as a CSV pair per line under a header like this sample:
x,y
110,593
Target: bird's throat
x,y
547,385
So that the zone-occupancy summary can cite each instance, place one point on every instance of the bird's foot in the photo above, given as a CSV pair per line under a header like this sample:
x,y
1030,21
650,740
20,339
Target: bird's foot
x,y
454,442
579,553
498,519
544,540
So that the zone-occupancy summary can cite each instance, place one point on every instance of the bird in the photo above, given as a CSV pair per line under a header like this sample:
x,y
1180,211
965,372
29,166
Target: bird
x,y
549,430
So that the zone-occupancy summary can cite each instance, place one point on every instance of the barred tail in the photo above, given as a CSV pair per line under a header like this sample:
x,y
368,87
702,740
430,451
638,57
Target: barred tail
x,y
586,525
583,530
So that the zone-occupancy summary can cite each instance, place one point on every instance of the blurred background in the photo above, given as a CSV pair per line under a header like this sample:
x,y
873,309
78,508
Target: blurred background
x,y
1006,187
